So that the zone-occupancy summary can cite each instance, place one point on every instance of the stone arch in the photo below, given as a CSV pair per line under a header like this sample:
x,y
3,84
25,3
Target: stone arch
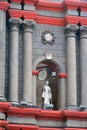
x,y
54,61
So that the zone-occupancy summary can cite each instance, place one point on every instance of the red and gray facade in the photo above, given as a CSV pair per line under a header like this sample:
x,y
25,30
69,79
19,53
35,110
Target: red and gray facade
x,y
24,53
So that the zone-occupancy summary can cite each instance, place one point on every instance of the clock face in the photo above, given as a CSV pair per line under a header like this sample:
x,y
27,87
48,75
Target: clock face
x,y
48,37
42,75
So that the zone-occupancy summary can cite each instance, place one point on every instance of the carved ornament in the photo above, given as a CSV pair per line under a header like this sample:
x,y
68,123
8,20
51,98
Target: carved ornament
x,y
48,38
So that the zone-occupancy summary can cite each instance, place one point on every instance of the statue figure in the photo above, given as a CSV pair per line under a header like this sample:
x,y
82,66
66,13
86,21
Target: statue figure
x,y
46,94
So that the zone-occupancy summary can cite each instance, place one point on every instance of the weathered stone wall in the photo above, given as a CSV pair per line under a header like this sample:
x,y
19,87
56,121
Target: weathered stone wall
x,y
58,51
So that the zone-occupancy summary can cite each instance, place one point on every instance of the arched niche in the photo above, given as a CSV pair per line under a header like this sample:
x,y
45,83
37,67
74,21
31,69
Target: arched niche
x,y
50,66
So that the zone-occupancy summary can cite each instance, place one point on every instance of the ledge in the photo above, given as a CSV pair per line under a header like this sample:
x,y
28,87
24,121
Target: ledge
x,y
4,6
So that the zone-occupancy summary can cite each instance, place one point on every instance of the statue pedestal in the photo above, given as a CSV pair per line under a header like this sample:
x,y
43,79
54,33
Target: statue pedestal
x,y
48,106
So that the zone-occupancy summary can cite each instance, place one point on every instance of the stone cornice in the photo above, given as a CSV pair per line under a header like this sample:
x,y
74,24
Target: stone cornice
x,y
61,6
22,13
30,15
4,5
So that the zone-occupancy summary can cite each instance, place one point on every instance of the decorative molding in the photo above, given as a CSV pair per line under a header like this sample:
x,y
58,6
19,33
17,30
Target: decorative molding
x,y
75,20
30,15
83,29
83,32
48,37
21,13
62,75
61,6
26,112
15,22
29,23
50,20
50,6
4,6
3,123
4,105
75,115
22,126
50,115
70,29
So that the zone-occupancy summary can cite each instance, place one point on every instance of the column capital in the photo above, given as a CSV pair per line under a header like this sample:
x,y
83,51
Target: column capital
x,y
62,75
71,29
83,31
28,23
15,22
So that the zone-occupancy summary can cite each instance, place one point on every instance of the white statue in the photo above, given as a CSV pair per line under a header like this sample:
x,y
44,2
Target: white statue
x,y
46,94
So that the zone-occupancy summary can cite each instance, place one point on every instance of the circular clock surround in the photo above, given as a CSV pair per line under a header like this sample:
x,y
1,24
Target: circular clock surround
x,y
42,75
48,38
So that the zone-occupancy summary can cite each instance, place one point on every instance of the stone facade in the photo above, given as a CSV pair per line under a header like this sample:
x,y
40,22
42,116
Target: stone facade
x,y
43,36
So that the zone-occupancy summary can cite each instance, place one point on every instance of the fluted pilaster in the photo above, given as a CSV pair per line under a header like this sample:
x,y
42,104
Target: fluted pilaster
x,y
27,60
70,32
83,64
13,61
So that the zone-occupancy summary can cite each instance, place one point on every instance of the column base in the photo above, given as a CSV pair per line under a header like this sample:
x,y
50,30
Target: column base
x,y
82,107
27,104
3,99
15,104
72,107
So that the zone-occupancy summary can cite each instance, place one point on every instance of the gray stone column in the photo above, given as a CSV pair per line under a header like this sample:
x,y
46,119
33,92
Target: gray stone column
x,y
13,61
83,64
3,7
27,60
70,31
62,82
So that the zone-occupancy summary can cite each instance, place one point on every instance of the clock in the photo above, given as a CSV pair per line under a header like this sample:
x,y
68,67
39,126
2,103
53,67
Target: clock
x,y
48,37
42,75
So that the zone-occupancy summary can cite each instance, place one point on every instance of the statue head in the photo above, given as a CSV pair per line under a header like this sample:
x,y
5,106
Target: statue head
x,y
47,82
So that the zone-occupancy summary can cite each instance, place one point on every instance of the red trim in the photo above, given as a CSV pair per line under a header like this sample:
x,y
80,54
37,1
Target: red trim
x,y
26,112
62,75
5,105
50,129
50,20
17,1
60,6
75,115
35,72
57,6
24,127
4,6
75,20
21,13
50,115
74,129
84,9
3,123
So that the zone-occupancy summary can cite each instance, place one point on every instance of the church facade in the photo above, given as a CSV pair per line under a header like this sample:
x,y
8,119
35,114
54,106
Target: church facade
x,y
43,41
